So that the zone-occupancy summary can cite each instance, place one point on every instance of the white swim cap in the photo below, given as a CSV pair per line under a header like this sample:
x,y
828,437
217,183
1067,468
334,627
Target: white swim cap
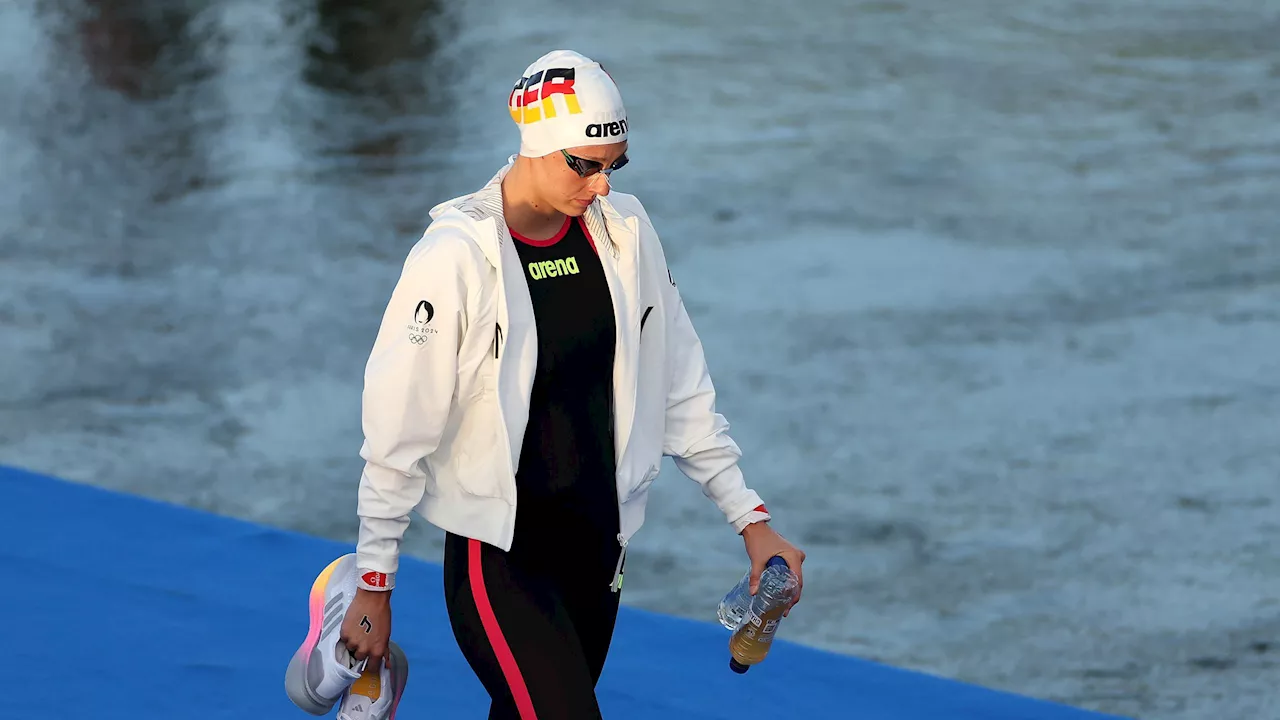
x,y
565,100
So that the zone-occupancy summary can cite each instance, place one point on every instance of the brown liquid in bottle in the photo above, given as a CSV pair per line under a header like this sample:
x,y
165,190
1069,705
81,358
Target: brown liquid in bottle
x,y
750,643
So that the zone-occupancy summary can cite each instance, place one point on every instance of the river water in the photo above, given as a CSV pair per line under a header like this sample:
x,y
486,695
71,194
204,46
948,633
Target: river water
x,y
990,291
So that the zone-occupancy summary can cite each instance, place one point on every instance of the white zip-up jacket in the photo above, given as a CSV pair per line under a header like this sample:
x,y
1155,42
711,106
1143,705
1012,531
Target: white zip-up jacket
x,y
448,381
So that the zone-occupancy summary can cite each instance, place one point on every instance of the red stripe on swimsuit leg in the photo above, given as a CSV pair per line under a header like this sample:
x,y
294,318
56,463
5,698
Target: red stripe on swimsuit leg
x,y
506,660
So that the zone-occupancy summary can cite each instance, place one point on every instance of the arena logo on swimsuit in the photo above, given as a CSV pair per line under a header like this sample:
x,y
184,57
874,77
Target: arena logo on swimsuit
x,y
533,97
553,268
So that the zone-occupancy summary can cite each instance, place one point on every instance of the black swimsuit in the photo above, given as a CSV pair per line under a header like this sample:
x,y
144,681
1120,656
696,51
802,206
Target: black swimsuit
x,y
535,623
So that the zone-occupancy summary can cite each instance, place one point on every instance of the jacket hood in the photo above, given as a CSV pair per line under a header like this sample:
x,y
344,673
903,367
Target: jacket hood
x,y
463,200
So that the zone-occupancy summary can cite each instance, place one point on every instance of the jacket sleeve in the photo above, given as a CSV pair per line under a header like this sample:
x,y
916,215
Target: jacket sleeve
x,y
697,436
408,390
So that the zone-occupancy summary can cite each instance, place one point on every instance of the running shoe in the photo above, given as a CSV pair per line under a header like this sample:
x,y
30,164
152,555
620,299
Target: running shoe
x,y
376,695
323,669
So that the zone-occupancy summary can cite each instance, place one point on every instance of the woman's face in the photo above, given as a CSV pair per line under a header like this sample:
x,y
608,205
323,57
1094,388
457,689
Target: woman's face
x,y
564,189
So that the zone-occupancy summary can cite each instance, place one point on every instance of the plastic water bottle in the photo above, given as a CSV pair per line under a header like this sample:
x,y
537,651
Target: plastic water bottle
x,y
754,618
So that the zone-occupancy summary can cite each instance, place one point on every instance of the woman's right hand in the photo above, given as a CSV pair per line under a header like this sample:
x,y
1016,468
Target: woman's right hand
x,y
366,629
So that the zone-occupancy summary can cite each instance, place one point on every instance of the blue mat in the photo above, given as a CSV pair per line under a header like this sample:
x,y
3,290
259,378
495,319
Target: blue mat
x,y
136,609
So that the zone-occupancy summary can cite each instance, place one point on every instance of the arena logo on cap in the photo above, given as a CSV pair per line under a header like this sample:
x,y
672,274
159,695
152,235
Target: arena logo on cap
x,y
607,129
533,97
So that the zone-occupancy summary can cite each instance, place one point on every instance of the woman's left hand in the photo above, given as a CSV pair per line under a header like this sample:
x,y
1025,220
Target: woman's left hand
x,y
763,542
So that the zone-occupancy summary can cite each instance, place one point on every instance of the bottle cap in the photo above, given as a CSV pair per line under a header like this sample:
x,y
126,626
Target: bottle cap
x,y
777,560
738,667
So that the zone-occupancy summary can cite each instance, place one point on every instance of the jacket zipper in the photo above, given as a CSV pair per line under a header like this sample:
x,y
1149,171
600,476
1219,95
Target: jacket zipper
x,y
616,585
497,381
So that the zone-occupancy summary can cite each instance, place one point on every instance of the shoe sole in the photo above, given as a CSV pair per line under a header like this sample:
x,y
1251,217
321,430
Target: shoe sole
x,y
295,677
399,665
